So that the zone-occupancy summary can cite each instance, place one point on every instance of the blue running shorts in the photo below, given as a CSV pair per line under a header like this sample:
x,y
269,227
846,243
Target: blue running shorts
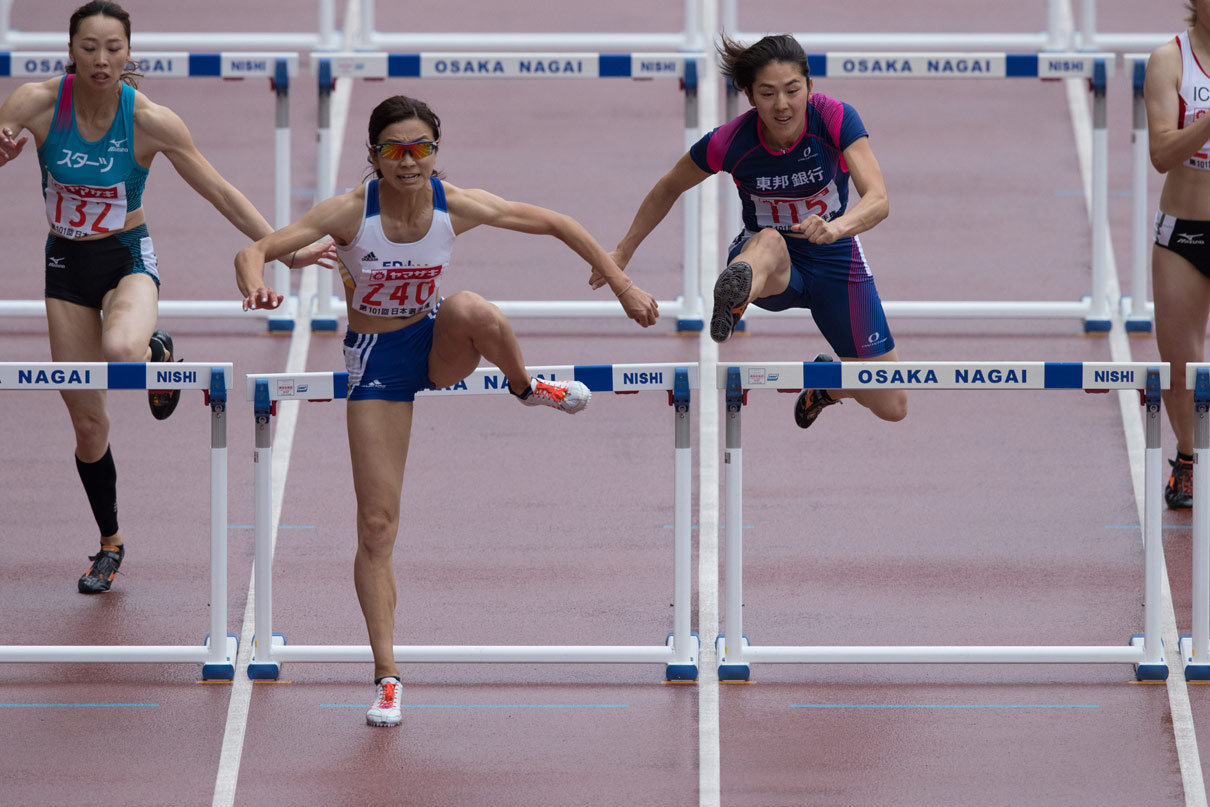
x,y
390,366
835,283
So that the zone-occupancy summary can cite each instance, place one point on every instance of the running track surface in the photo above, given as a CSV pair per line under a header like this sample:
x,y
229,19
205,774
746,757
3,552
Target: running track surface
x,y
983,519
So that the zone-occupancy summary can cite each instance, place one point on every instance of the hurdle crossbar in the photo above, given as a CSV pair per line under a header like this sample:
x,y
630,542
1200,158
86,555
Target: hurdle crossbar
x,y
279,68
1093,309
217,656
1195,646
1145,650
683,66
681,647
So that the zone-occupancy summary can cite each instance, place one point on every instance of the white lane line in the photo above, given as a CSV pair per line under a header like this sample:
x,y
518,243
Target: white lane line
x,y
1184,733
227,776
709,731
283,441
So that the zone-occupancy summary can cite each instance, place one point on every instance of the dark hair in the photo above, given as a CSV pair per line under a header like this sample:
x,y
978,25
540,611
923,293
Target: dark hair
x,y
103,8
741,64
1192,9
400,108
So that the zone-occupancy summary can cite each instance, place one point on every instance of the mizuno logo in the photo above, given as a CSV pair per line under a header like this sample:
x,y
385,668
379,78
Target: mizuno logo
x,y
1189,238
116,145
369,256
56,262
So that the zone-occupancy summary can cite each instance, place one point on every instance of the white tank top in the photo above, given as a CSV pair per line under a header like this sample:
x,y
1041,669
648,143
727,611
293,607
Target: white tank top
x,y
1194,97
396,280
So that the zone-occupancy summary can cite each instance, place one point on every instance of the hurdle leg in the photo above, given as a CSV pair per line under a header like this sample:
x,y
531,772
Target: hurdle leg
x,y
262,666
1195,647
731,663
282,319
1138,317
221,645
324,316
1097,320
692,316
1153,667
685,644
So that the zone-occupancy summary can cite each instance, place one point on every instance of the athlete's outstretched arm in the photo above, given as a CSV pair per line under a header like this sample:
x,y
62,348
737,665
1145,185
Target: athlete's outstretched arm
x,y
655,206
337,217
19,111
470,208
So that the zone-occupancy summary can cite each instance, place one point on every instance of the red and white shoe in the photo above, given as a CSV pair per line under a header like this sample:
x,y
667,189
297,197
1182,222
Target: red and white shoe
x,y
386,711
568,396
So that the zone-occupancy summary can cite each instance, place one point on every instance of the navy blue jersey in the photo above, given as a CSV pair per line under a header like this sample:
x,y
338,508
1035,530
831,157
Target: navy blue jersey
x,y
779,188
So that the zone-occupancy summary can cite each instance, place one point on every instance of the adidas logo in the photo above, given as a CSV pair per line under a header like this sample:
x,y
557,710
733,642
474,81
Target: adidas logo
x,y
369,256
375,384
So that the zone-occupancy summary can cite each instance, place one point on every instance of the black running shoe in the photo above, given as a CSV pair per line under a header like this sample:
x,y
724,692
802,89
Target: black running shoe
x,y
1179,492
99,576
163,401
731,292
812,401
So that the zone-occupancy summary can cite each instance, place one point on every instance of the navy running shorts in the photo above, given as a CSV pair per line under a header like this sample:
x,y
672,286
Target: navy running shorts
x,y
391,366
835,283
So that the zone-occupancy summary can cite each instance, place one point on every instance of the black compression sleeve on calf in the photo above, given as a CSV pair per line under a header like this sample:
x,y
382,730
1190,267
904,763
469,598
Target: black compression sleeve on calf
x,y
100,480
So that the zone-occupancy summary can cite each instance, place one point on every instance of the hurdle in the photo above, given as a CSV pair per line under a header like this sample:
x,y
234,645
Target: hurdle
x,y
1050,39
1145,650
279,68
217,657
1094,308
1195,646
685,67
680,650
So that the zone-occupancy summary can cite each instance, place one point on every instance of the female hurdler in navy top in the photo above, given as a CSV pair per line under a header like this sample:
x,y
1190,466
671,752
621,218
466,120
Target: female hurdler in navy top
x,y
394,237
791,158
96,136
1177,92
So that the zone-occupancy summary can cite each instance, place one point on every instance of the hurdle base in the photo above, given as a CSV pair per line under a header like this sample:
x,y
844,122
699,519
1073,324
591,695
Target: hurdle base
x,y
690,325
265,670
1133,323
1149,672
731,670
1194,671
226,670
686,671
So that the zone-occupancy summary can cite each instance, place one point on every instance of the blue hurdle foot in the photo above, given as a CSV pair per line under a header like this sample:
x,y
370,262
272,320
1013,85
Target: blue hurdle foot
x,y
731,669
1194,671
265,670
685,670
225,670
1150,671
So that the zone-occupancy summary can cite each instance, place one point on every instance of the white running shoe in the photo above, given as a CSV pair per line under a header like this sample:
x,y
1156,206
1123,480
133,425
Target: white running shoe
x,y
569,396
386,711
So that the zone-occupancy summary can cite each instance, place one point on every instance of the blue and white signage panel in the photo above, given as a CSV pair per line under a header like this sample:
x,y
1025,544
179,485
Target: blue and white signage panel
x,y
504,65
958,65
167,64
597,377
109,375
945,375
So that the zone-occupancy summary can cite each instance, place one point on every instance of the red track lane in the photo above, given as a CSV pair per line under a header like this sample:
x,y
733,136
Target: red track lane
x,y
985,518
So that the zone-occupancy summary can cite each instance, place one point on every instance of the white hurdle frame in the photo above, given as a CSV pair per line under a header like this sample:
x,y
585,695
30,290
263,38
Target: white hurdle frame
x,y
1095,308
1145,650
685,66
279,68
217,657
1195,646
681,648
